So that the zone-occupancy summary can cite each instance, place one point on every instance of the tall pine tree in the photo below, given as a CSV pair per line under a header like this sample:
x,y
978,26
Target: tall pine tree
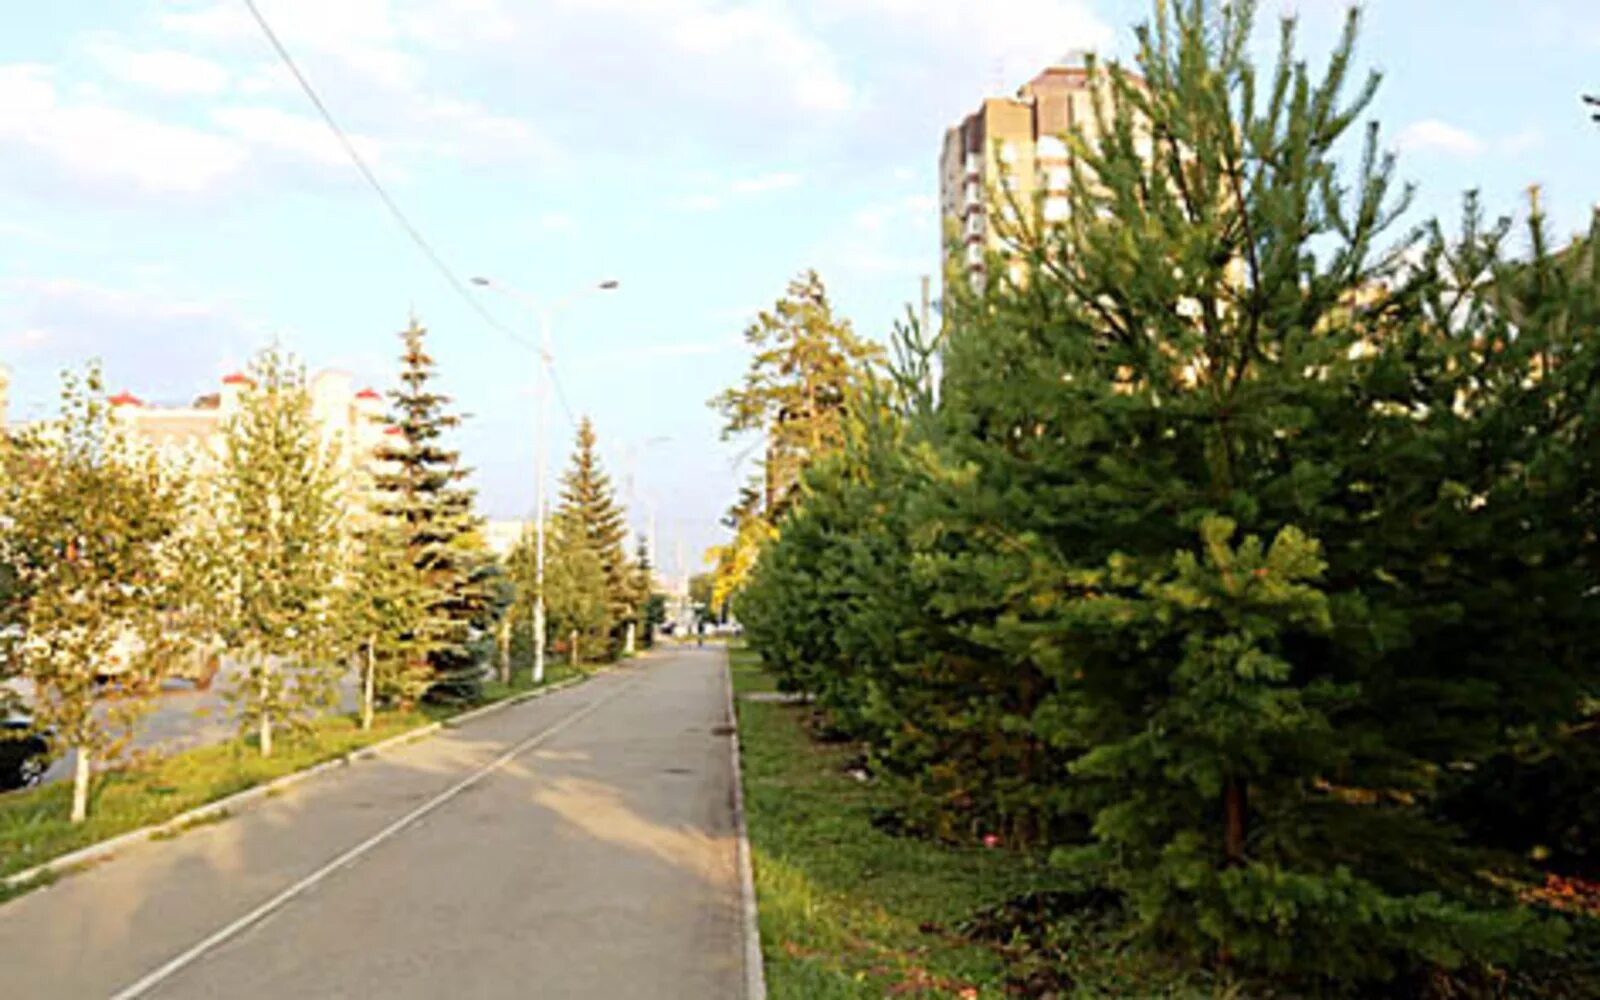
x,y
590,514
421,486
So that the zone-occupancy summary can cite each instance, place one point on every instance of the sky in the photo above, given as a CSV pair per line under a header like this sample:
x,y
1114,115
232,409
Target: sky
x,y
169,202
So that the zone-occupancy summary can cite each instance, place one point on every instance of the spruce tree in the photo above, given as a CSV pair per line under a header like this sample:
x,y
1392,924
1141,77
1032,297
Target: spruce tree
x,y
384,604
578,597
421,486
281,544
652,607
589,514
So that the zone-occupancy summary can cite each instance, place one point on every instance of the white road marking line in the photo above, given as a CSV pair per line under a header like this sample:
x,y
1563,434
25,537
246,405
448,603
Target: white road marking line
x,y
187,958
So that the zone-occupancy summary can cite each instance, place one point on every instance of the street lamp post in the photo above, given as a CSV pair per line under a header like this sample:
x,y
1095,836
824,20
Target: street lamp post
x,y
546,314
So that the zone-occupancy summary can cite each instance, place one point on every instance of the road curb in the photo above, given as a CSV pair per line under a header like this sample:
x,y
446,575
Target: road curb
x,y
106,849
755,973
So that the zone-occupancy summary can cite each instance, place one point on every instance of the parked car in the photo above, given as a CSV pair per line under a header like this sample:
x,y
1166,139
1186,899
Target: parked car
x,y
199,665
24,754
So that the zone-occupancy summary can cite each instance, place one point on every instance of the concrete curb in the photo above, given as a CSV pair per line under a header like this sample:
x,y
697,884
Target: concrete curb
x,y
104,850
755,973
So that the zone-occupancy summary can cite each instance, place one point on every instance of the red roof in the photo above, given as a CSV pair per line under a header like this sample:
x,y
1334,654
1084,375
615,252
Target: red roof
x,y
125,398
367,394
237,379
393,430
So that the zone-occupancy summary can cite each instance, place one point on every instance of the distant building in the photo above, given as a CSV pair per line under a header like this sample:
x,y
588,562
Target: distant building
x,y
353,424
1011,154
502,536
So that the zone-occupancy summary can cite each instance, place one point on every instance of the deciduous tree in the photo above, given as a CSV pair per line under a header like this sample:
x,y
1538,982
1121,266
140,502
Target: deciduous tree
x,y
94,543
281,508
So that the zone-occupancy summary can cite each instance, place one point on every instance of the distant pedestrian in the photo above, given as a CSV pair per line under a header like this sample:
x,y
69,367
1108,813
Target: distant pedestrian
x,y
700,633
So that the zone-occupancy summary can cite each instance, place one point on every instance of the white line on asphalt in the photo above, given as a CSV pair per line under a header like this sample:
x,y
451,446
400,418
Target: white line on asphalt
x,y
178,964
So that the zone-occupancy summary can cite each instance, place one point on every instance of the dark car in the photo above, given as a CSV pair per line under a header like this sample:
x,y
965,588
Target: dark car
x,y
24,754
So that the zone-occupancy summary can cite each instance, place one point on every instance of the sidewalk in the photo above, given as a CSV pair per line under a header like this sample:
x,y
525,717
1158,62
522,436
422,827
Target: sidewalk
x,y
599,860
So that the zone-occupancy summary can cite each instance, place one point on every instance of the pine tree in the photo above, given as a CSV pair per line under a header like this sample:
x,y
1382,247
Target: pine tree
x,y
808,363
652,606
1223,482
578,599
589,514
421,487
384,602
281,547
1240,543
94,545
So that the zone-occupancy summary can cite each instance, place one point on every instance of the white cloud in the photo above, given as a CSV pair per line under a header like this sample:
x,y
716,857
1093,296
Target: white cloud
x,y
300,137
104,143
363,36
160,344
461,129
165,71
1525,141
1432,135
1435,136
781,180
884,240
367,58
743,188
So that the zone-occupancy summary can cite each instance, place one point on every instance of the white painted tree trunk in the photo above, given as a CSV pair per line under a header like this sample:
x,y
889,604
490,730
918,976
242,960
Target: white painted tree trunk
x,y
80,786
627,646
266,716
575,660
505,650
369,688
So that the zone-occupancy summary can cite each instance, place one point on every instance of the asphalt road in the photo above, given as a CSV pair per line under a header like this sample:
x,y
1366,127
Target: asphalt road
x,y
578,845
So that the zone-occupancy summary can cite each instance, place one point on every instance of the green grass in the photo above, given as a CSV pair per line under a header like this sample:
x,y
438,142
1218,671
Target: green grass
x,y
522,682
34,824
843,904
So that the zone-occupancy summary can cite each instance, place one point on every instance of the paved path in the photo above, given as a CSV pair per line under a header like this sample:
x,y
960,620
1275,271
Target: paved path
x,y
597,858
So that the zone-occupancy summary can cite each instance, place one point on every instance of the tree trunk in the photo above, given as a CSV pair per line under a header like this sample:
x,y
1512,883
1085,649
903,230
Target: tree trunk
x,y
1235,819
80,786
369,686
575,660
265,728
505,650
627,646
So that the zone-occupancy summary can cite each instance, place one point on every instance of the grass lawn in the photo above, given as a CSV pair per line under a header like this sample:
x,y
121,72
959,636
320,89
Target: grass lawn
x,y
843,904
34,826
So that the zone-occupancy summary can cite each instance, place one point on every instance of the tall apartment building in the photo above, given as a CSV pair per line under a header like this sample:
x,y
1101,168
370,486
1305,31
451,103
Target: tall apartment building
x,y
1012,150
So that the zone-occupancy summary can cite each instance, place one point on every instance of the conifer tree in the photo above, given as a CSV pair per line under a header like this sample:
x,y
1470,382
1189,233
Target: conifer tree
x,y
93,542
1210,500
281,546
421,486
1241,540
589,515
385,603
652,607
807,364
578,599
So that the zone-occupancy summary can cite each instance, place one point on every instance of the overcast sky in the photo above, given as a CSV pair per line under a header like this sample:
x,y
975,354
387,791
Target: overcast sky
x,y
169,202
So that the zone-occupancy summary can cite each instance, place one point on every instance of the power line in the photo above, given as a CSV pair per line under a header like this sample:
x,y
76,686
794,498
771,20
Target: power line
x,y
561,393
372,181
